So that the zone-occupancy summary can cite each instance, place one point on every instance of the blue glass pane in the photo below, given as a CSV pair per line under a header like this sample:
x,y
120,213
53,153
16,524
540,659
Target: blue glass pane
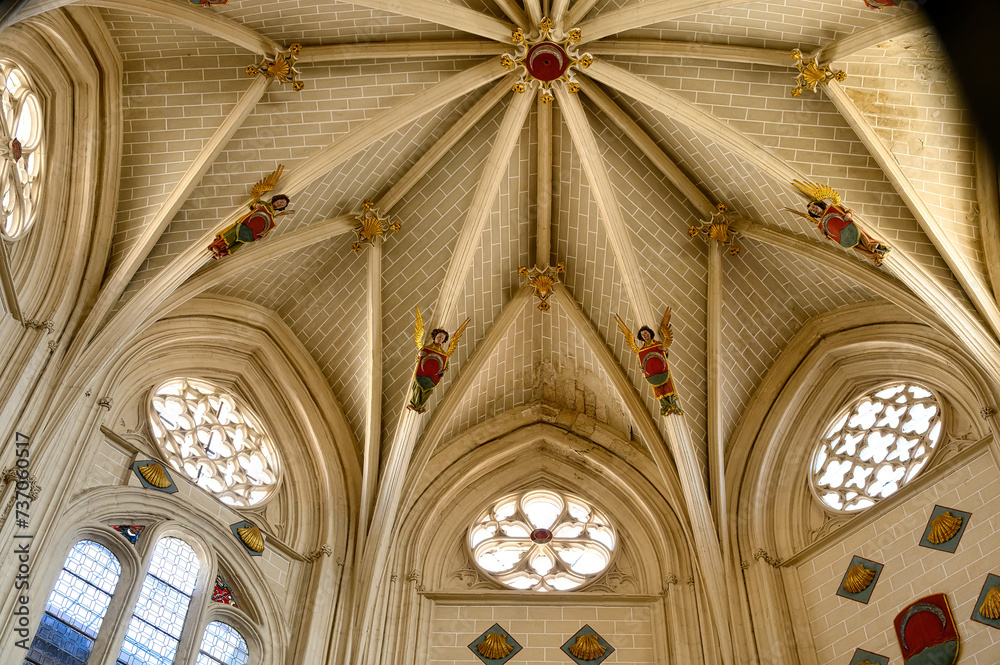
x,y
162,606
94,563
176,563
145,645
56,643
223,644
78,603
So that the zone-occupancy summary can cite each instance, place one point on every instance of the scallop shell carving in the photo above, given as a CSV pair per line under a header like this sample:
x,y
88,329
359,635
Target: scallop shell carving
x,y
251,537
155,475
991,605
944,527
858,579
494,646
587,648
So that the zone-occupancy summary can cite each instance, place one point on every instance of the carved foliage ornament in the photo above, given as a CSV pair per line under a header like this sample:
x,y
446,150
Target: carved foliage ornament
x,y
718,228
372,225
542,281
281,67
811,73
545,58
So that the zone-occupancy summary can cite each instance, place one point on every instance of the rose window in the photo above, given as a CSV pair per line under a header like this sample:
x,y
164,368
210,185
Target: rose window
x,y
21,152
875,446
542,541
215,439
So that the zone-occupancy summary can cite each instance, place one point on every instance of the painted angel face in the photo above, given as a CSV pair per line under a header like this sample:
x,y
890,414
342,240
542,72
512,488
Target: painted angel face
x,y
645,336
440,338
279,203
816,209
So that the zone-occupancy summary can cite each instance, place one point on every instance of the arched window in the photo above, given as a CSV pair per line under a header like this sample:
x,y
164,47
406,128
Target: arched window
x,y
215,439
155,629
878,443
222,645
76,607
84,591
543,541
21,151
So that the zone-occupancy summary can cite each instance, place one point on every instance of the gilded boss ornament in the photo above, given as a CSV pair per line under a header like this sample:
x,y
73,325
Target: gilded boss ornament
x,y
587,647
494,646
944,527
858,579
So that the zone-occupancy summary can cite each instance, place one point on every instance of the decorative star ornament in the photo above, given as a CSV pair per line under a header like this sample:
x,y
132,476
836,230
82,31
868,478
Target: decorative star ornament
x,y
544,58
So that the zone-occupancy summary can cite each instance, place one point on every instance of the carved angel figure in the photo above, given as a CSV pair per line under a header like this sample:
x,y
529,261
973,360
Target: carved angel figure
x,y
432,361
255,224
836,221
653,360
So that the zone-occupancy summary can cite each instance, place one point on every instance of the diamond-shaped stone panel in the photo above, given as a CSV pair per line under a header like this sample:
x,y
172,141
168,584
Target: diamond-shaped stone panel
x,y
495,646
586,647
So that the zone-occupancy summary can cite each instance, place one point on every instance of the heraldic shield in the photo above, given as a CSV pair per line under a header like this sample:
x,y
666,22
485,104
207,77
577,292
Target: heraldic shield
x,y
926,632
837,226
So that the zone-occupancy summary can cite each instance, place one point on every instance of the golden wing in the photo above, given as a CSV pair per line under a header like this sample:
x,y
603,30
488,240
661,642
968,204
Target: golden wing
x,y
628,334
666,331
419,336
817,192
266,184
456,337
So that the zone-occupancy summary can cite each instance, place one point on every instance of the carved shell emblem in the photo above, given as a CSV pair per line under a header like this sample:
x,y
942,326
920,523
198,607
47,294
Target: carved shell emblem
x,y
587,647
251,537
155,475
495,646
943,528
858,579
991,605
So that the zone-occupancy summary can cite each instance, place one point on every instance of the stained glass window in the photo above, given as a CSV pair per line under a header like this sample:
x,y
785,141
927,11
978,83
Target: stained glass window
x,y
21,151
222,645
222,593
543,541
130,532
76,607
215,439
155,629
880,442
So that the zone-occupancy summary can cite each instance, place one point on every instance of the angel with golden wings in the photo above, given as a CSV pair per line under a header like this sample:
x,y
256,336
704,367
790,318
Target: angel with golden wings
x,y
836,221
653,361
255,224
432,361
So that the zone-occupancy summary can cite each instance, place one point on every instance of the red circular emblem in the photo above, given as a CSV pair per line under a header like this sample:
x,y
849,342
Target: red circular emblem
x,y
541,536
15,149
547,61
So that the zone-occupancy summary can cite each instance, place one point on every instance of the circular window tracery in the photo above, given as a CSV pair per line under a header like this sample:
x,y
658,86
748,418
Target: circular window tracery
x,y
542,541
215,439
21,151
875,446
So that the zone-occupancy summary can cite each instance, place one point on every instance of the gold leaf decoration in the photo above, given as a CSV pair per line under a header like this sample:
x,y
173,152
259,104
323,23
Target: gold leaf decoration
x,y
251,537
587,648
866,662
858,579
991,606
943,528
155,475
494,646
